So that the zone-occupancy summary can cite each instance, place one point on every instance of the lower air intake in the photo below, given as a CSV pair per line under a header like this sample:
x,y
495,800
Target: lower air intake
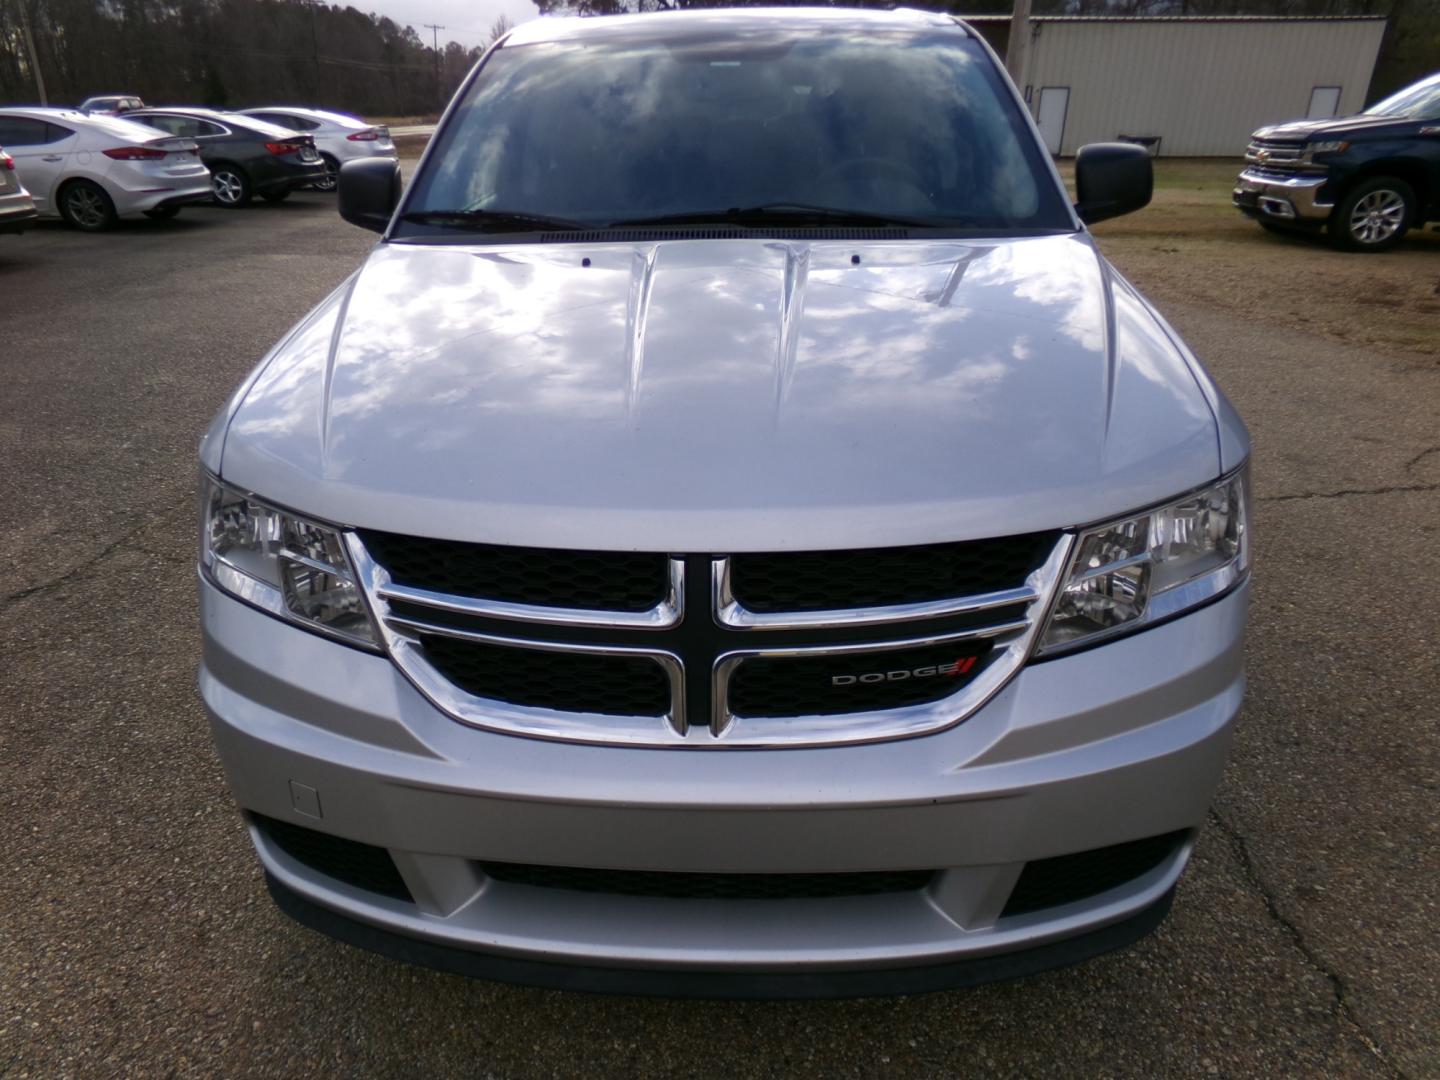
x,y
364,866
1064,879
685,886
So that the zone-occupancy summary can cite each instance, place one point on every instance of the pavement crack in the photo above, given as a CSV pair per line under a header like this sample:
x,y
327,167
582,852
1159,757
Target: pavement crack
x,y
1421,457
75,573
1393,489
1338,988
170,557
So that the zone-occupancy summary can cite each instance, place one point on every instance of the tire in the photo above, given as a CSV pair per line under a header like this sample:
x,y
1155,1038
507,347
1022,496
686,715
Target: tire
x,y
331,179
229,186
275,196
1374,215
85,206
162,213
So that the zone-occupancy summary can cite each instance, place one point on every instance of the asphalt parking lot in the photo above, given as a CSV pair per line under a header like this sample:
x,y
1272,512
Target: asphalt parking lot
x,y
135,933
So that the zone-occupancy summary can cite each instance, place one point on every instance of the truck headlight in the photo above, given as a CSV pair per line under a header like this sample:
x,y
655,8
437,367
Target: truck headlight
x,y
1330,146
1128,574
292,568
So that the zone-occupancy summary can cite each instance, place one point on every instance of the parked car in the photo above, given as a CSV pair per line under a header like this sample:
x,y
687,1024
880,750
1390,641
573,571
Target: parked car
x,y
246,156
92,170
17,209
1365,179
111,104
338,137
734,534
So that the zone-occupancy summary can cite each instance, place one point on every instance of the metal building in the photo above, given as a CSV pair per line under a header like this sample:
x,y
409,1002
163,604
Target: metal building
x,y
1195,85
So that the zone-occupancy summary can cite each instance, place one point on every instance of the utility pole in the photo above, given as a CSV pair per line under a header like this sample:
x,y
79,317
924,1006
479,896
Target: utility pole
x,y
314,45
435,41
30,48
1019,44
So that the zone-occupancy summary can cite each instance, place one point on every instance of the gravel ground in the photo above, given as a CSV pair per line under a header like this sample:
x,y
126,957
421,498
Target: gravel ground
x,y
135,934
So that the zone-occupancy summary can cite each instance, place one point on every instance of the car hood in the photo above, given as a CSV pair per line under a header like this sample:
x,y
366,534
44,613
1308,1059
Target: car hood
x,y
1338,127
726,395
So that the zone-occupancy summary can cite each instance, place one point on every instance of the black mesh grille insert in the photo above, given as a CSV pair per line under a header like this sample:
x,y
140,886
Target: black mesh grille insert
x,y
796,686
572,682
361,865
683,886
602,580
1046,883
821,580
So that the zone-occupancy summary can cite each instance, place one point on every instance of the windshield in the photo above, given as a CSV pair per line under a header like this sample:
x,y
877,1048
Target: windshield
x,y
1418,102
915,127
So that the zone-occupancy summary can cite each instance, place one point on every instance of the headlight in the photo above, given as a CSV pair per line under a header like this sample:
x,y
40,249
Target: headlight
x,y
292,568
1131,573
1333,146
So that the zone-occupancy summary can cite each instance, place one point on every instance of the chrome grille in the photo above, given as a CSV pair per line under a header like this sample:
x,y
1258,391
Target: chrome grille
x,y
803,581
1275,151
615,580
830,686
613,685
1279,159
1264,172
699,668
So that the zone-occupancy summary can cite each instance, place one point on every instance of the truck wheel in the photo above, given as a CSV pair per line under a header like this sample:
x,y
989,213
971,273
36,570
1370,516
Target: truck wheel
x,y
1373,215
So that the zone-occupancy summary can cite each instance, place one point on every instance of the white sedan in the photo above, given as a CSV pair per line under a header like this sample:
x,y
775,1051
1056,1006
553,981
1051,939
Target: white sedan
x,y
338,136
93,170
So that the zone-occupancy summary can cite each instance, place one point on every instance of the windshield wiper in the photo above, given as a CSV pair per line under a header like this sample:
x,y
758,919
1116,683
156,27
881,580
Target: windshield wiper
x,y
493,220
789,213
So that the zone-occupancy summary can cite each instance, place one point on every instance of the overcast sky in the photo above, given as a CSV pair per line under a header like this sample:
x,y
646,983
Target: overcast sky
x,y
465,21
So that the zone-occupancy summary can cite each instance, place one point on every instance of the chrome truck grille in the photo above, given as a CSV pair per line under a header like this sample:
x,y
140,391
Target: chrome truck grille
x,y
794,648
1279,157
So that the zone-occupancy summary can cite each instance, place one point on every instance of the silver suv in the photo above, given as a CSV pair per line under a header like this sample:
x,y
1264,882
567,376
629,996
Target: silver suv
x,y
734,535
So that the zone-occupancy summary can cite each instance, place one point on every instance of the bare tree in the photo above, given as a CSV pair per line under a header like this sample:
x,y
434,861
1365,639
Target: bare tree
x,y
499,28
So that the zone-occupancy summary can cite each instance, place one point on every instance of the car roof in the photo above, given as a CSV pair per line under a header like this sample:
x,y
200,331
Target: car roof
x,y
114,125
46,112
237,119
342,119
185,110
700,22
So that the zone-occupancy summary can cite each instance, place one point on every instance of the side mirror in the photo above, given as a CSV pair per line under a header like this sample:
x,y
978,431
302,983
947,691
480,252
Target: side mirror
x,y
1112,179
369,192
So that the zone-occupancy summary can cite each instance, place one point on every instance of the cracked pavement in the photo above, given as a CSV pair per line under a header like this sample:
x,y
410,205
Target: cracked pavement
x,y
136,936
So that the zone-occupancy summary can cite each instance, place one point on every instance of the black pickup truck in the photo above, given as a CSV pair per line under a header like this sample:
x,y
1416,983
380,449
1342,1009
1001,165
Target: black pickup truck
x,y
1365,179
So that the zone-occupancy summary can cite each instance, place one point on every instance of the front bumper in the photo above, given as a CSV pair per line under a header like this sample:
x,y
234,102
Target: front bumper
x,y
1097,748
1294,200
